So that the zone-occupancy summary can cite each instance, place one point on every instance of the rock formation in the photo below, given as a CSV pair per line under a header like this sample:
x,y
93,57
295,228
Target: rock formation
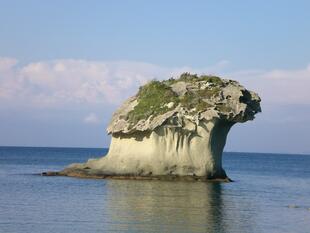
x,y
172,129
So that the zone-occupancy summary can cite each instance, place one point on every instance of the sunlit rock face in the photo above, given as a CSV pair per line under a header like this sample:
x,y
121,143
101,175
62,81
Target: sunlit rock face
x,y
173,128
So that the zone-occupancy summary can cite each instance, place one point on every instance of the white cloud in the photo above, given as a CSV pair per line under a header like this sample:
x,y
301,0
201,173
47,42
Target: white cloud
x,y
69,81
7,63
92,118
278,86
9,81
60,82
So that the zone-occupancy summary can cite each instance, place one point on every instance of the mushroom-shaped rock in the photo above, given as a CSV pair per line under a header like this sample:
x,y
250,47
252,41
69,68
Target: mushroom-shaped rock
x,y
173,128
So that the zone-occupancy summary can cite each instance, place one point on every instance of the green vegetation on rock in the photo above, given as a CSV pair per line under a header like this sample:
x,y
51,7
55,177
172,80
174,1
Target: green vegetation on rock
x,y
154,97
192,100
191,78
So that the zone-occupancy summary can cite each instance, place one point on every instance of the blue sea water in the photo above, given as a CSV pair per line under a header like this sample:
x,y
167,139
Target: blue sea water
x,y
271,193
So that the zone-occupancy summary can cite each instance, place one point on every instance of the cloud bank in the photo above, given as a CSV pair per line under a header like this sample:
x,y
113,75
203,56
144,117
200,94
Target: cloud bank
x,y
278,86
67,81
61,82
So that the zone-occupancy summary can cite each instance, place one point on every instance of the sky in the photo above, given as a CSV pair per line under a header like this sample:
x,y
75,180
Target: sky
x,y
65,66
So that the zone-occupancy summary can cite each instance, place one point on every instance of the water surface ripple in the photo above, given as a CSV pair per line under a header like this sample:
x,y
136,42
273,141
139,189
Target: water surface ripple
x,y
271,193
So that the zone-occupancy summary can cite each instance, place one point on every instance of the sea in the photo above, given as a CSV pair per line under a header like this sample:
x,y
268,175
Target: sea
x,y
270,193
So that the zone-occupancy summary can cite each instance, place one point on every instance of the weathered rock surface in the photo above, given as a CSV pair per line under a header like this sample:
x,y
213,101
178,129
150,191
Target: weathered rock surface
x,y
173,129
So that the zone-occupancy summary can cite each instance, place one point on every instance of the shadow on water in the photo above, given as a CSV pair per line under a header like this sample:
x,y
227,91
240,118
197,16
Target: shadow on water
x,y
157,206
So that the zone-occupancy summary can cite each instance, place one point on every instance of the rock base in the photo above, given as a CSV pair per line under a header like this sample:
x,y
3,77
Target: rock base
x,y
90,174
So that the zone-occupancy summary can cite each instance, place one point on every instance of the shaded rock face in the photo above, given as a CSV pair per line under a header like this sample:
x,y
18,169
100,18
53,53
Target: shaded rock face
x,y
176,127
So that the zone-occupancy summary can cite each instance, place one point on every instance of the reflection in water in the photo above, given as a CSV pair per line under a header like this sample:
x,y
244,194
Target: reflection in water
x,y
257,202
157,206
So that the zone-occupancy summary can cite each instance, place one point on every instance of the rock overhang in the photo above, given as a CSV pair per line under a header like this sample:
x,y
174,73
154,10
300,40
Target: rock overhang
x,y
190,97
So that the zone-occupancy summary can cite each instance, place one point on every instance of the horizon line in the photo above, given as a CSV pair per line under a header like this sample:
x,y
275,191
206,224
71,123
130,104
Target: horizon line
x,y
73,147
